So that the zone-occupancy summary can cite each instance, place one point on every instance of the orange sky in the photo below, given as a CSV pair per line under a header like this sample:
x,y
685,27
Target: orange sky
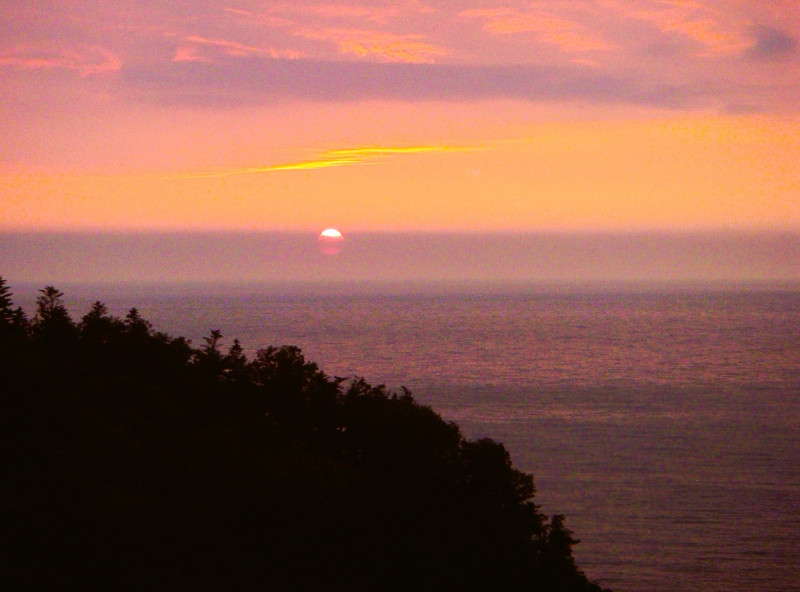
x,y
400,115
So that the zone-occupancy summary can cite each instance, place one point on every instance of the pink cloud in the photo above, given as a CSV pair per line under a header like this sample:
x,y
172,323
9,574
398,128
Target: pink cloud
x,y
359,11
693,20
360,29
84,61
339,11
189,53
193,49
596,51
546,27
393,47
238,11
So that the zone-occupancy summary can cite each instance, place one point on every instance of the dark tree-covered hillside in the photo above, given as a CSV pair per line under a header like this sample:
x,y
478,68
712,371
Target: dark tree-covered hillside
x,y
136,461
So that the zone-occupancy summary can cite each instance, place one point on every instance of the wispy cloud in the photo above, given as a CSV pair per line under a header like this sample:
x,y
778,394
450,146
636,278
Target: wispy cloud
x,y
335,158
408,48
84,61
192,50
544,26
347,11
372,152
238,11
304,165
683,54
353,11
357,29
693,20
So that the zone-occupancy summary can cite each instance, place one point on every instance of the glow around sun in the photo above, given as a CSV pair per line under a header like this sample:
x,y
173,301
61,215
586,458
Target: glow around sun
x,y
330,241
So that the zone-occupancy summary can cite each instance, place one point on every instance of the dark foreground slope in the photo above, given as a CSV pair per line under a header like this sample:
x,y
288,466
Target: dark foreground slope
x,y
136,461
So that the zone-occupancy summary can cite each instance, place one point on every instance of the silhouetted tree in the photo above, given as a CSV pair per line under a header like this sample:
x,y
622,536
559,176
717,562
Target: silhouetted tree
x,y
212,341
52,324
137,326
296,393
12,320
6,303
139,459
235,364
98,327
50,307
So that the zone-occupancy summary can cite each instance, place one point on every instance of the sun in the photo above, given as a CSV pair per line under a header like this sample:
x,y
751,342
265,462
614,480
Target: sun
x,y
330,241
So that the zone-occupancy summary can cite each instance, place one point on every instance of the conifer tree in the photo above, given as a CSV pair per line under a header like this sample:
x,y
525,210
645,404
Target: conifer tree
x,y
6,303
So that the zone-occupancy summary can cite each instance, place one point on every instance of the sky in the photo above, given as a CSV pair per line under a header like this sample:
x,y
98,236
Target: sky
x,y
404,116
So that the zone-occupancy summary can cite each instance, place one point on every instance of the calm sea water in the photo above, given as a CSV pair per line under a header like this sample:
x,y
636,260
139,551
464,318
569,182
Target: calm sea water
x,y
665,425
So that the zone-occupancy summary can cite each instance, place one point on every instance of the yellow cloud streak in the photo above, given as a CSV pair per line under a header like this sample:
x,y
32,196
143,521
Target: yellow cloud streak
x,y
333,158
377,151
294,166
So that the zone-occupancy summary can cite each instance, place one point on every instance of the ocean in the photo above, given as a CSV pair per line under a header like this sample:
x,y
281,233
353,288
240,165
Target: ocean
x,y
663,422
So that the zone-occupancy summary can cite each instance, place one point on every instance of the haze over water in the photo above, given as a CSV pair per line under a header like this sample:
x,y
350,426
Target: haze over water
x,y
558,259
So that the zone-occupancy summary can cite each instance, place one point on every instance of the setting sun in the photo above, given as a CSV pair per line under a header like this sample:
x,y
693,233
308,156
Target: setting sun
x,y
330,241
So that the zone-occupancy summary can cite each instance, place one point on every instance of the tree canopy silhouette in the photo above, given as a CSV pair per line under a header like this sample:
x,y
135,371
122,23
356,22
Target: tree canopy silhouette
x,y
137,461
